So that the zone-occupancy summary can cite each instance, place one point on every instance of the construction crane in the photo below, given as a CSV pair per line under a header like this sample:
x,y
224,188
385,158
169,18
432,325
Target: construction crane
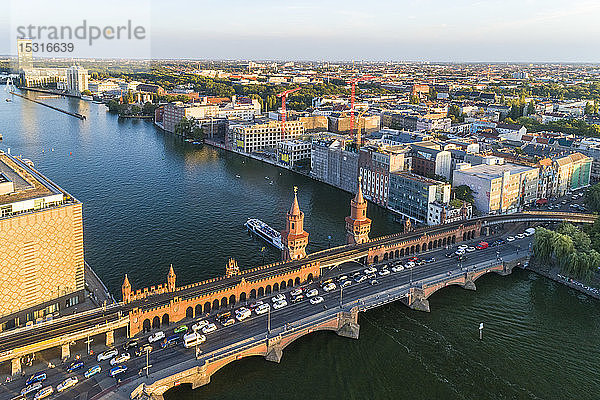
x,y
358,139
283,96
353,82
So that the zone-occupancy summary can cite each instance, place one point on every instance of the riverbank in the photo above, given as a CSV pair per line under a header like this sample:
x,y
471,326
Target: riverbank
x,y
553,273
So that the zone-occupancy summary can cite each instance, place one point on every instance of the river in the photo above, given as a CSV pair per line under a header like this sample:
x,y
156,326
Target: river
x,y
151,200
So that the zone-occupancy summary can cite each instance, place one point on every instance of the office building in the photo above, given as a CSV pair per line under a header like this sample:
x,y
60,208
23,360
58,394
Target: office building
x,y
261,134
291,152
77,80
375,163
334,160
411,194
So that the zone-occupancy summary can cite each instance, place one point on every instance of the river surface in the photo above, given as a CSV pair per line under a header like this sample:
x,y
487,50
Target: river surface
x,y
151,200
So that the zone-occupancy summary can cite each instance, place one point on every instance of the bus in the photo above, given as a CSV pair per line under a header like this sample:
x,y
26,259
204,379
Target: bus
x,y
192,339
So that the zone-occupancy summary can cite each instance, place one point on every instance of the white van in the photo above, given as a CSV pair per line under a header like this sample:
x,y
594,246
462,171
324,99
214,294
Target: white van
x,y
192,339
529,231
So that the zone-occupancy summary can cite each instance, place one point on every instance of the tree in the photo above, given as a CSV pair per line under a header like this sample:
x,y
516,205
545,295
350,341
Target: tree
x,y
592,198
189,128
465,193
86,92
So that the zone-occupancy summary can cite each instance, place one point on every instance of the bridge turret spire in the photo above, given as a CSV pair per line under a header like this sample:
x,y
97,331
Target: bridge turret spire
x,y
294,238
232,268
171,279
358,226
126,290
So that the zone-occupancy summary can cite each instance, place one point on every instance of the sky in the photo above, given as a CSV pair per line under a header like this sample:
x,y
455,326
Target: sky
x,y
402,30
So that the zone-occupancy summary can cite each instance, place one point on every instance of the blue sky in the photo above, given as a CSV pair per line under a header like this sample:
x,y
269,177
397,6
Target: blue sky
x,y
435,30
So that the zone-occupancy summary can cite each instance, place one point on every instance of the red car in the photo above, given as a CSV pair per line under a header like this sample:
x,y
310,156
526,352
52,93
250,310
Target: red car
x,y
413,259
482,245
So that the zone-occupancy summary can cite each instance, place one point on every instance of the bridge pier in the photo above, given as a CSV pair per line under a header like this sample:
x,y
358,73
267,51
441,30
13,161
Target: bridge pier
x,y
469,285
16,366
110,338
274,354
348,324
65,351
416,300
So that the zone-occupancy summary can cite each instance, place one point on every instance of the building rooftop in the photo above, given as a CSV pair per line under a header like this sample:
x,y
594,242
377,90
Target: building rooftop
x,y
417,178
28,184
494,171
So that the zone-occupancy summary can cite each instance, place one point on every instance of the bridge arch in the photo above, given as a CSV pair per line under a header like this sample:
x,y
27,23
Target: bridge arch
x,y
391,255
376,259
215,304
310,277
290,283
223,302
253,294
261,291
385,256
282,285
268,289
232,300
397,253
401,252
198,309
207,307
189,312
156,322
147,325
242,297
276,287
297,281
417,248
165,319
412,249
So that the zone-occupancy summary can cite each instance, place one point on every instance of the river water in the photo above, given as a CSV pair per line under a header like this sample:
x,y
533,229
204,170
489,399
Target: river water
x,y
151,200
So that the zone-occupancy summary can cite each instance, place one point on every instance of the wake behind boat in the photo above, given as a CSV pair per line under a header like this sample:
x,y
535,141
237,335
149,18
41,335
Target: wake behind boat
x,y
265,232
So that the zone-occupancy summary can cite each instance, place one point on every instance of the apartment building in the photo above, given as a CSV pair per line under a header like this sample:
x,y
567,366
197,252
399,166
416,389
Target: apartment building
x,y
499,188
261,134
411,194
375,163
291,152
334,160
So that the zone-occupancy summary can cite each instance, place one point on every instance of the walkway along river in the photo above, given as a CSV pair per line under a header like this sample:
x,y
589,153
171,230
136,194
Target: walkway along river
x,y
151,200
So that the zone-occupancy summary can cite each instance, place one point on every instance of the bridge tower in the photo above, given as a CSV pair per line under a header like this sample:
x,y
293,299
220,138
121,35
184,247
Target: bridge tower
x,y
171,279
294,238
358,225
232,268
126,290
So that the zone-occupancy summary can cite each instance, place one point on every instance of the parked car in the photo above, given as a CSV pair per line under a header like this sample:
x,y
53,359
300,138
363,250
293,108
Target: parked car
x,y
482,246
242,313
228,322
255,305
374,282
371,270
510,239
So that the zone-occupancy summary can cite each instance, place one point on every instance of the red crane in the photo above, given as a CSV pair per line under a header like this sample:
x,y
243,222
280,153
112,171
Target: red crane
x,y
283,96
353,82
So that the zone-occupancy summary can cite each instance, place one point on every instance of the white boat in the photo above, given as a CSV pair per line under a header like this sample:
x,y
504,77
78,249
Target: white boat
x,y
265,232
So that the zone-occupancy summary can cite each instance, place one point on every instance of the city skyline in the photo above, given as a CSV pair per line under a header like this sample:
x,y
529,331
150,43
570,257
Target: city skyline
x,y
414,30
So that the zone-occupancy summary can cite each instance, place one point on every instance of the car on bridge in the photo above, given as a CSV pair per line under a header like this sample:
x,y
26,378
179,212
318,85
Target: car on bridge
x,y
75,365
296,292
198,326
279,304
108,354
37,377
228,322
193,339
34,387
277,298
92,371
329,287
130,344
155,337
482,246
172,340
180,329
371,270
316,300
255,305
360,278
45,392
398,268
120,359
67,383
510,239
262,309
242,313
209,328
384,272
119,369
312,293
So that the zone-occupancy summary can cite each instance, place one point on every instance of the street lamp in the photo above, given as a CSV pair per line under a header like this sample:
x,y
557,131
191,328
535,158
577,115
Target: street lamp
x,y
328,241
269,320
147,368
262,252
341,295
